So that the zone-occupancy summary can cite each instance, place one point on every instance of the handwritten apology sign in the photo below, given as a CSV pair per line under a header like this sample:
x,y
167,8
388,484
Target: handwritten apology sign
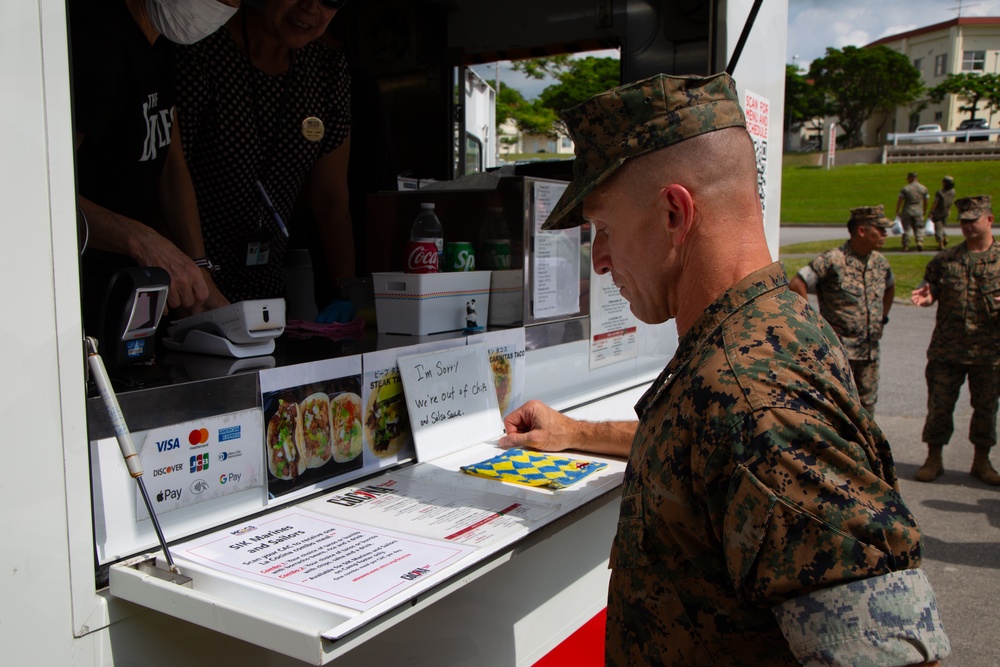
x,y
450,399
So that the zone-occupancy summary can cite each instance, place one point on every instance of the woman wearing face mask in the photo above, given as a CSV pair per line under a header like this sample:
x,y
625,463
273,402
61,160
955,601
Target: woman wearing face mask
x,y
125,130
265,109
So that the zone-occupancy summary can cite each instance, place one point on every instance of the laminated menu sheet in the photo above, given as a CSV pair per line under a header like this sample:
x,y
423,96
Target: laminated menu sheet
x,y
329,558
534,469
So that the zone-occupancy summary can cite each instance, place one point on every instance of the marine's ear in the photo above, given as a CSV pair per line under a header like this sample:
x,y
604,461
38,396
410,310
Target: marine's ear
x,y
678,205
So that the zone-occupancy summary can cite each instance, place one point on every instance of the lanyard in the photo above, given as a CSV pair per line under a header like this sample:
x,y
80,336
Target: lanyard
x,y
266,161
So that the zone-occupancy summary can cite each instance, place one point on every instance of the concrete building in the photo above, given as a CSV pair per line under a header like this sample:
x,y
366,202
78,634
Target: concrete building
x,y
964,44
512,140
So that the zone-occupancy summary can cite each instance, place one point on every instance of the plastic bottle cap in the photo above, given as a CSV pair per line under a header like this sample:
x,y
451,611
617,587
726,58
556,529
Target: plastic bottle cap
x,y
429,205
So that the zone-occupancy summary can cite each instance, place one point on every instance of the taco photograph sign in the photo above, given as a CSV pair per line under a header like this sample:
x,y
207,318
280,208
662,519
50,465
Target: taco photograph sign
x,y
313,425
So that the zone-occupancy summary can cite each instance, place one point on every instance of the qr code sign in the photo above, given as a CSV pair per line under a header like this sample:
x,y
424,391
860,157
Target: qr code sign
x,y
757,110
760,156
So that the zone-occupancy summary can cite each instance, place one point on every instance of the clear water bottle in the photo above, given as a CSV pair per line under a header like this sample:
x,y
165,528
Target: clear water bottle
x,y
426,229
494,242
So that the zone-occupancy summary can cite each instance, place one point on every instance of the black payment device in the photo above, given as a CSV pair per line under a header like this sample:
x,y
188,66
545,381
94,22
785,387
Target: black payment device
x,y
134,301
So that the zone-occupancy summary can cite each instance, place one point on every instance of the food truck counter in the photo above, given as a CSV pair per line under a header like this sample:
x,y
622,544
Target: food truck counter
x,y
234,517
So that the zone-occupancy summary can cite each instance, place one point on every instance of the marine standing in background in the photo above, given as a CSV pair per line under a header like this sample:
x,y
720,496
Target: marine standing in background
x,y
855,288
941,208
965,283
911,209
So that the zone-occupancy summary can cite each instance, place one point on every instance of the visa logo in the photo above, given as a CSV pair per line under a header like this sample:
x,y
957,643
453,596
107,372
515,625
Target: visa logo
x,y
168,444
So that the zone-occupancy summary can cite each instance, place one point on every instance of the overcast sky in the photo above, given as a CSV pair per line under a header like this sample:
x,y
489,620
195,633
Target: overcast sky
x,y
813,25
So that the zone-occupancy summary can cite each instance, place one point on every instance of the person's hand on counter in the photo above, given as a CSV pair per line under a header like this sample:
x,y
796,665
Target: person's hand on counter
x,y
535,425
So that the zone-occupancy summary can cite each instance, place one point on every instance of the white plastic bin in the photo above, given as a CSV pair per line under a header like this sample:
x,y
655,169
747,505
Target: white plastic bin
x,y
427,303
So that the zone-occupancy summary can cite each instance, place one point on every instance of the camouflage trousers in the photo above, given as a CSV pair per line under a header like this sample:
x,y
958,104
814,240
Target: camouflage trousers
x,y
915,223
866,378
939,233
944,381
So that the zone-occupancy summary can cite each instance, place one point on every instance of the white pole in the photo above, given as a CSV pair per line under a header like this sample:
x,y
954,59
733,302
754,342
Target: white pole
x,y
831,149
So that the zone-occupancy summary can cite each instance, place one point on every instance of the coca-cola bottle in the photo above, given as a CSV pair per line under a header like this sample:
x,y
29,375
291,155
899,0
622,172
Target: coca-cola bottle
x,y
425,252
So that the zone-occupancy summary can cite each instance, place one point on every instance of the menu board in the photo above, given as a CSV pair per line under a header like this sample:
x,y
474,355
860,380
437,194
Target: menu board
x,y
556,258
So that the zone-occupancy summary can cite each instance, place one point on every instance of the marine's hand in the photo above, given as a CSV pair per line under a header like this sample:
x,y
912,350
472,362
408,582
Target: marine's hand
x,y
922,296
537,426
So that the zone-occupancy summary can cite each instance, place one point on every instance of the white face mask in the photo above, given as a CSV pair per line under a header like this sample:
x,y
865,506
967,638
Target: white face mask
x,y
187,21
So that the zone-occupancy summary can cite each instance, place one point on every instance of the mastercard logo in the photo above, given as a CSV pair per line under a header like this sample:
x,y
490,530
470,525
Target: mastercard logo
x,y
199,436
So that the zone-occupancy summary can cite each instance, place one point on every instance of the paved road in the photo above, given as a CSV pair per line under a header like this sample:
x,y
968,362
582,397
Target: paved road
x,y
959,515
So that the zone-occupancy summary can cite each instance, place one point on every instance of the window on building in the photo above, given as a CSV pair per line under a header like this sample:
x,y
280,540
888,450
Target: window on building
x,y
938,115
973,61
566,142
919,64
940,64
914,121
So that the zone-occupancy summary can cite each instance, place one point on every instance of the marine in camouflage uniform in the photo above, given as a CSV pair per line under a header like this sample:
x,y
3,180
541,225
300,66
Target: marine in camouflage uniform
x,y
854,286
761,522
911,209
965,283
941,209
755,479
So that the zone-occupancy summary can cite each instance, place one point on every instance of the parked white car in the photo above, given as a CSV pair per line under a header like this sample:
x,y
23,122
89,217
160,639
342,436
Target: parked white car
x,y
928,140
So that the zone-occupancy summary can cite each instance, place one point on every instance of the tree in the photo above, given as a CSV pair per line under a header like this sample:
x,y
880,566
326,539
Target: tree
x,y
858,83
578,80
975,88
803,101
529,117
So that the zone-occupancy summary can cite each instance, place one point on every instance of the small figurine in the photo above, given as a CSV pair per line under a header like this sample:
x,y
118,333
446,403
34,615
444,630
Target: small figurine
x,y
471,318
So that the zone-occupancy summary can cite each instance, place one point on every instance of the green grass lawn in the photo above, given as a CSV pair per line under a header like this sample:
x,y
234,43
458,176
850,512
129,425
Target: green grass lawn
x,y
812,194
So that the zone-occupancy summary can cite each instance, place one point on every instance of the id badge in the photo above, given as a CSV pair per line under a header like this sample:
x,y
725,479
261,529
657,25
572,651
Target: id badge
x,y
258,248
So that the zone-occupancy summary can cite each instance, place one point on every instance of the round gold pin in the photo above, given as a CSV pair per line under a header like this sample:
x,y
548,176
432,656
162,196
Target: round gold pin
x,y
313,129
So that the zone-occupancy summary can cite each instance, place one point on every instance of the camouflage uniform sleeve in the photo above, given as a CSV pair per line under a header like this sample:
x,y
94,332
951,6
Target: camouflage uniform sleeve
x,y
815,271
932,276
886,621
809,511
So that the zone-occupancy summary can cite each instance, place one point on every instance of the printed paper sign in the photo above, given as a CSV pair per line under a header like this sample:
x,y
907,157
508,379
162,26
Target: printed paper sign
x,y
323,557
758,110
613,327
450,513
199,460
312,423
451,400
556,259
506,350
387,435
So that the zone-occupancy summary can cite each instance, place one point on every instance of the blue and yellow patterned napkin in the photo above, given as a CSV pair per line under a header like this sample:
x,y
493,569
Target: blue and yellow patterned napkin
x,y
534,469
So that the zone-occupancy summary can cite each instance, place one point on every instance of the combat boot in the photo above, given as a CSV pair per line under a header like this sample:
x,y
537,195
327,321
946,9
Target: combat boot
x,y
920,247
933,467
982,468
